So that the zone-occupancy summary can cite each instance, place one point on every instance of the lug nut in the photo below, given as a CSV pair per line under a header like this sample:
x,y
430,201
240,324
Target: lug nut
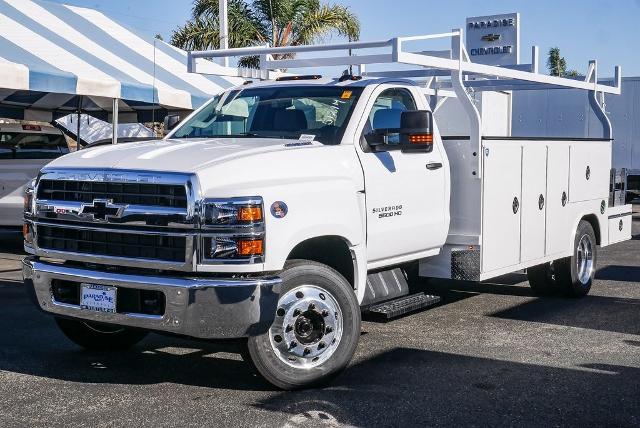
x,y
293,344
296,312
307,351
325,313
329,329
312,306
288,328
321,345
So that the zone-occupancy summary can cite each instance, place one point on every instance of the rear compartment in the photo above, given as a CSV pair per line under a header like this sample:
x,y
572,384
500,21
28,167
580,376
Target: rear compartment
x,y
526,205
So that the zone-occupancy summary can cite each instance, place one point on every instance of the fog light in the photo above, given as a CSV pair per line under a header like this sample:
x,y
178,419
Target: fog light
x,y
251,247
234,248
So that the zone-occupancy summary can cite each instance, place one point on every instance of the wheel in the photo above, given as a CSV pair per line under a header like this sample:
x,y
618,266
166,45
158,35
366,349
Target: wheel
x,y
100,337
315,332
575,274
542,280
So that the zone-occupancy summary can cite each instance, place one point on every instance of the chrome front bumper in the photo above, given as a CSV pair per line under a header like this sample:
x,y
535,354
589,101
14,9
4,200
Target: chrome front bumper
x,y
197,307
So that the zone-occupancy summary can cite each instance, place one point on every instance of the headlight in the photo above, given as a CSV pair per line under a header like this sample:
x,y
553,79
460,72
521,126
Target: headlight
x,y
232,212
233,230
28,199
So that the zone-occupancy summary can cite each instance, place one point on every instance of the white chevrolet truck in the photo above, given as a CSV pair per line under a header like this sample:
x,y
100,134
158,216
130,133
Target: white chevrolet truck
x,y
283,209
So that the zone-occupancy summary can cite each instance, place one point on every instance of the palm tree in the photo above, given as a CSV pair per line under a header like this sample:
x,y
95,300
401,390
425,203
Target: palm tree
x,y
257,22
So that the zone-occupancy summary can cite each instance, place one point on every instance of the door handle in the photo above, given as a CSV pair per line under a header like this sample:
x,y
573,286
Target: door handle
x,y
434,165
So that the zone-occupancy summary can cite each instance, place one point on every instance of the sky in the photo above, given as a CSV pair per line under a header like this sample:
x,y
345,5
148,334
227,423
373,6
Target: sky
x,y
606,30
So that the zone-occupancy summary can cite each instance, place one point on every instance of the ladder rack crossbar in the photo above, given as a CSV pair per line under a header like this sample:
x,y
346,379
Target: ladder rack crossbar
x,y
456,62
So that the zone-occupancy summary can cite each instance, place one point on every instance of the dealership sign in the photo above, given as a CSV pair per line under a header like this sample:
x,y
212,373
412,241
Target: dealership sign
x,y
494,39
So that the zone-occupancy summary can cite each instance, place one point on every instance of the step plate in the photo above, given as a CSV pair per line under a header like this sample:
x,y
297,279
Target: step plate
x,y
402,306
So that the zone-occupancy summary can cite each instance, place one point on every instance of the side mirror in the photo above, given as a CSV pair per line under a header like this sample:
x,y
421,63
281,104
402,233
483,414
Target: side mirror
x,y
170,122
416,130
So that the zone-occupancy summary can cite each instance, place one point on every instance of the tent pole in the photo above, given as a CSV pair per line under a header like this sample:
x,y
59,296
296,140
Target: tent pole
x,y
114,121
79,118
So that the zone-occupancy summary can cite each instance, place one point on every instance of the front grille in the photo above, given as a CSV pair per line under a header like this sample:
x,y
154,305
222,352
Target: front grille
x,y
128,300
161,195
113,244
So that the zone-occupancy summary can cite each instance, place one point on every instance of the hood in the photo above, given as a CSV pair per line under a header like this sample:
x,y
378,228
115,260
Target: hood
x,y
175,155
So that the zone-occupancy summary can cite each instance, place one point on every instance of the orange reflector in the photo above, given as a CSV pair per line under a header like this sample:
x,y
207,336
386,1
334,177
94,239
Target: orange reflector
x,y
25,230
420,138
346,95
250,247
250,214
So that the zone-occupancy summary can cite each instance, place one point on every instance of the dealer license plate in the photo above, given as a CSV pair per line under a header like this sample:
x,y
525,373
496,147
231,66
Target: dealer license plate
x,y
99,298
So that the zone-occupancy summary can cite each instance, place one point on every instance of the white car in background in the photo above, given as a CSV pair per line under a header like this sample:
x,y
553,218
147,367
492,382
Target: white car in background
x,y
24,150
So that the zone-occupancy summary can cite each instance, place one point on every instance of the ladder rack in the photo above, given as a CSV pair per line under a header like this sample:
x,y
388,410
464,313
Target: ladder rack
x,y
462,75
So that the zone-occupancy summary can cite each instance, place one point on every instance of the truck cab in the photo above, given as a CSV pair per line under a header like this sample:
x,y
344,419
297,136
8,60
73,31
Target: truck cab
x,y
281,210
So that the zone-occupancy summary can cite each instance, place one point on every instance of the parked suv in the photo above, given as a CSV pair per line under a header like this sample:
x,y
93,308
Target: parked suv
x,y
24,150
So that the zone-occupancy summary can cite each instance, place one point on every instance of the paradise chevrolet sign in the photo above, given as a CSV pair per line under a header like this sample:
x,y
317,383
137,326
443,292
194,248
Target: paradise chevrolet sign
x,y
494,39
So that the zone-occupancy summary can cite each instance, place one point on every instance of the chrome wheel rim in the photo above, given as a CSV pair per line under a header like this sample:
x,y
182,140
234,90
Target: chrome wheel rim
x,y
308,327
584,259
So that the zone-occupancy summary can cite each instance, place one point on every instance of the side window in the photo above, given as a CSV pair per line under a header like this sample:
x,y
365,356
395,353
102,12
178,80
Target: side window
x,y
386,113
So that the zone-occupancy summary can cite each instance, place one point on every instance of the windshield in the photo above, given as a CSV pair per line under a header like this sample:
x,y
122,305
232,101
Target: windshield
x,y
321,112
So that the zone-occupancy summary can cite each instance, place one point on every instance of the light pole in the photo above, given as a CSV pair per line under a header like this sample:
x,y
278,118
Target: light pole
x,y
224,29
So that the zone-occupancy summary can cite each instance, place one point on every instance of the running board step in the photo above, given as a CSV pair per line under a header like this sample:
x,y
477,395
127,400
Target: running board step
x,y
402,306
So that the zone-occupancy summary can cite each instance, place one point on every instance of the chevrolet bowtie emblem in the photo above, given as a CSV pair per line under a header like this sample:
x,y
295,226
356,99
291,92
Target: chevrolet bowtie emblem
x,y
491,37
102,210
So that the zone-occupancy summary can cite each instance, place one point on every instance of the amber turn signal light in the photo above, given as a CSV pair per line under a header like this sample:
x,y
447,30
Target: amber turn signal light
x,y
421,138
253,247
249,214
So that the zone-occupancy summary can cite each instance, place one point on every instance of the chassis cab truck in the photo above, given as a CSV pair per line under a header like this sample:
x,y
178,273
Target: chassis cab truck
x,y
282,209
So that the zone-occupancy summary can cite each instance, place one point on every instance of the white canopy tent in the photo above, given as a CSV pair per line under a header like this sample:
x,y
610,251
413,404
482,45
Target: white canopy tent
x,y
57,59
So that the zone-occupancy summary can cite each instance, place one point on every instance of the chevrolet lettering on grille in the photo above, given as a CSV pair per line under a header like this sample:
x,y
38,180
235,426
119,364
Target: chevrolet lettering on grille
x,y
102,210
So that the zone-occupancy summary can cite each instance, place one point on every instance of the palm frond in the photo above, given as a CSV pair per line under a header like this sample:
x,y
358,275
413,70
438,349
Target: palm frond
x,y
320,23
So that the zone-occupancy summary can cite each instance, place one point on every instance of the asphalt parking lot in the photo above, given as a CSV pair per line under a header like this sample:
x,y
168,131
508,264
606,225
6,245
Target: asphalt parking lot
x,y
491,354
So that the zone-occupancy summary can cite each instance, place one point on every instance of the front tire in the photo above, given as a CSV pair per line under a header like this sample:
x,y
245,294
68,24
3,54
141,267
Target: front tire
x,y
99,337
575,274
315,332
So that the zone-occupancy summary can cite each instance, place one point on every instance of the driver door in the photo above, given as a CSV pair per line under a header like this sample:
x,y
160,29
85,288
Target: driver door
x,y
406,193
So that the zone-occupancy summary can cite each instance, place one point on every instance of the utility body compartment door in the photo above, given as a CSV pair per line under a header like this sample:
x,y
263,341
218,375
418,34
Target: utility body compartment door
x,y
502,203
557,198
590,169
534,201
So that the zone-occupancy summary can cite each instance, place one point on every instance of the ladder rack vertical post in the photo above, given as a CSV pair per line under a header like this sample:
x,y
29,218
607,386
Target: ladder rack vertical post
x,y
457,81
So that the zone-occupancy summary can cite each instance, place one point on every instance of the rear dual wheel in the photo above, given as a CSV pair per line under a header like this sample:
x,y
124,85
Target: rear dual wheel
x,y
571,276
316,328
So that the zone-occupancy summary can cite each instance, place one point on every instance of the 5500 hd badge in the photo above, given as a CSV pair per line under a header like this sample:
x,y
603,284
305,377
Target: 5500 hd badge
x,y
390,211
